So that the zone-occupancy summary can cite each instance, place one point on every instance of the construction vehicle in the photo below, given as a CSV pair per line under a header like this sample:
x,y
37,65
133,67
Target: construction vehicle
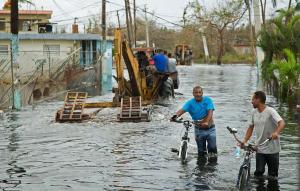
x,y
183,54
143,82
135,95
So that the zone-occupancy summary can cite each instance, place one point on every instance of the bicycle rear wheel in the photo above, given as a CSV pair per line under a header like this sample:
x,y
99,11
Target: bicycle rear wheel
x,y
183,151
243,179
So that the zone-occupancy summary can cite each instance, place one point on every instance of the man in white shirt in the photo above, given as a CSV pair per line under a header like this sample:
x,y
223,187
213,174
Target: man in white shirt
x,y
267,123
173,71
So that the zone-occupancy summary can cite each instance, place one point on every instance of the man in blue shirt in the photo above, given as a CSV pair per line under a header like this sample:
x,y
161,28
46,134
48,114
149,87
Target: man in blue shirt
x,y
161,62
201,110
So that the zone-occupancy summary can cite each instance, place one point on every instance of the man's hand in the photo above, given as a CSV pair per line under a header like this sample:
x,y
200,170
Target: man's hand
x,y
275,135
173,118
204,125
242,144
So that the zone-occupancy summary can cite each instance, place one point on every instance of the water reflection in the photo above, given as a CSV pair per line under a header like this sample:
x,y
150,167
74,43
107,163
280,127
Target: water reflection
x,y
263,184
204,173
14,171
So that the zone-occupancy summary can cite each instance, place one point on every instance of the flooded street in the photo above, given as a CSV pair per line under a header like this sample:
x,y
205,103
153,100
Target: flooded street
x,y
38,154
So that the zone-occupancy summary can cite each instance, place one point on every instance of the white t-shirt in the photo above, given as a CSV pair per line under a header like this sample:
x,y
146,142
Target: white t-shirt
x,y
172,65
265,123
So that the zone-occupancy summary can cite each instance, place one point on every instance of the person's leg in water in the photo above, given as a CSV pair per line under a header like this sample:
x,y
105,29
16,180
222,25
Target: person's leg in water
x,y
273,164
201,161
212,144
260,164
201,136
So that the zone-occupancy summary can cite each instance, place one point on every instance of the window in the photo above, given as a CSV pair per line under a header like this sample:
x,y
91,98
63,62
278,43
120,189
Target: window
x,y
2,24
53,50
3,49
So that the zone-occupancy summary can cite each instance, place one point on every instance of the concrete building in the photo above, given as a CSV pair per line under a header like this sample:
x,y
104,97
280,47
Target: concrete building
x,y
29,21
49,62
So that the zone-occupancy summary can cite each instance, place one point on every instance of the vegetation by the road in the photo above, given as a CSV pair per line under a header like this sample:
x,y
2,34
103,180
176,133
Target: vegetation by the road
x,y
280,40
229,58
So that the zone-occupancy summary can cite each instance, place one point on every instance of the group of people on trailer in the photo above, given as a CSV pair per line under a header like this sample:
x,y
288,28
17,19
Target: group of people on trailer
x,y
265,120
161,62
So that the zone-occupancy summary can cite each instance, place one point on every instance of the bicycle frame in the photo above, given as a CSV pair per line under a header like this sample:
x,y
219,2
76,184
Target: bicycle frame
x,y
184,139
243,179
183,150
245,165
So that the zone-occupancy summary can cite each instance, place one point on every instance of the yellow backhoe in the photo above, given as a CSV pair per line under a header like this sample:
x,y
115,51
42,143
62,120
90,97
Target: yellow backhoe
x,y
135,95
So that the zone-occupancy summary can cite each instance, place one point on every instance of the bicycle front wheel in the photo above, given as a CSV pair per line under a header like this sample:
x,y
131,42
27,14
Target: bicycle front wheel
x,y
243,179
183,151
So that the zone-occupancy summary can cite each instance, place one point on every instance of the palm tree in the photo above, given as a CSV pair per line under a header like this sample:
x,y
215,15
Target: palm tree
x,y
288,71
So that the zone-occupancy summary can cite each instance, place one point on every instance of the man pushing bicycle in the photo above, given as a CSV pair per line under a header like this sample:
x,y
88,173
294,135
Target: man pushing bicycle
x,y
201,110
267,123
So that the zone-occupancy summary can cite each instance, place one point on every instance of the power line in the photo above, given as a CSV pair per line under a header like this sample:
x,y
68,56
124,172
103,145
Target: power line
x,y
91,15
81,8
154,15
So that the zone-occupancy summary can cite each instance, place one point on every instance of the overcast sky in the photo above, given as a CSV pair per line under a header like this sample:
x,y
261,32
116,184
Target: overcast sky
x,y
64,11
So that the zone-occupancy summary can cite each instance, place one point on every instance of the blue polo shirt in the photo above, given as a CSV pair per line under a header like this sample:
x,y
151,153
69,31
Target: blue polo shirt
x,y
198,110
161,62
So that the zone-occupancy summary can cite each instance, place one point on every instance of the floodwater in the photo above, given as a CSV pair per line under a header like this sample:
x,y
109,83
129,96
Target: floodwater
x,y
38,154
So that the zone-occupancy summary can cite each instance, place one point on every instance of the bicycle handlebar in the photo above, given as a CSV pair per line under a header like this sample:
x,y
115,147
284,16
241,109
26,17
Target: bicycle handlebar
x,y
186,123
249,146
267,140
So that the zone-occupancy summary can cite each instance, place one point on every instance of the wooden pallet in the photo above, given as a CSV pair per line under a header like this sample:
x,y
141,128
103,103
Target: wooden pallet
x,y
73,106
132,110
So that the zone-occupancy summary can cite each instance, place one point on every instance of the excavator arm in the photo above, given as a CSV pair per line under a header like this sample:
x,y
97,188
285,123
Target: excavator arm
x,y
118,60
123,50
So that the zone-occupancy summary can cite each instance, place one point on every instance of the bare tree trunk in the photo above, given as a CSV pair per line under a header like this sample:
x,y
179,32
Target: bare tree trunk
x,y
221,47
264,15
290,4
289,15
263,10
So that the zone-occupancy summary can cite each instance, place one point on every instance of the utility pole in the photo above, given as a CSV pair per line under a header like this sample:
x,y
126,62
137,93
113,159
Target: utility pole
x,y
252,42
183,16
14,52
103,48
259,52
131,25
118,19
128,22
103,19
147,27
134,21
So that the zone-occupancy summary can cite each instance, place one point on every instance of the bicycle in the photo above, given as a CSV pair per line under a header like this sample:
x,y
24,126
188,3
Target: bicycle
x,y
183,149
244,172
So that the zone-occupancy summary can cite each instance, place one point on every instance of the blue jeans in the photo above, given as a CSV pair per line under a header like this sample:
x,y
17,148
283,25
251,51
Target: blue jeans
x,y
206,140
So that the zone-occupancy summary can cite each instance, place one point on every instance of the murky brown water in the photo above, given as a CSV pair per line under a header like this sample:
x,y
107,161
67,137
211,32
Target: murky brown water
x,y
38,154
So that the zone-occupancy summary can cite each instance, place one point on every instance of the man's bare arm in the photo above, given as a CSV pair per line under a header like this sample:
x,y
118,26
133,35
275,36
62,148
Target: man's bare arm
x,y
208,117
180,112
248,134
280,126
